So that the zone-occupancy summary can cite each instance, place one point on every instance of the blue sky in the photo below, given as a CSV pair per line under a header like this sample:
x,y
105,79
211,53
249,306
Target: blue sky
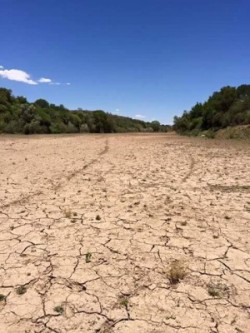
x,y
148,58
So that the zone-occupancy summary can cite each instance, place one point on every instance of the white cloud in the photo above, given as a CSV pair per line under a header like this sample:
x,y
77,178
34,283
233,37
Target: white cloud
x,y
24,77
16,75
49,81
44,80
140,116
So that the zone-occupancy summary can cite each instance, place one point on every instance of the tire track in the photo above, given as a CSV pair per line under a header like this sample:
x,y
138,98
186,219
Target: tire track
x,y
85,166
191,170
60,185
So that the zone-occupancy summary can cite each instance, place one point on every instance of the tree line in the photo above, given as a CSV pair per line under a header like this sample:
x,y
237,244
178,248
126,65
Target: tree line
x,y
228,107
17,115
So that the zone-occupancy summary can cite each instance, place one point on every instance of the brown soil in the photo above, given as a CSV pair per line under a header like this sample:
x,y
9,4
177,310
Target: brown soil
x,y
124,234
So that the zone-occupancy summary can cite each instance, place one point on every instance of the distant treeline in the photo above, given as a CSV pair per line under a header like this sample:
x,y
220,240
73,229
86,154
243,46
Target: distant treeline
x,y
228,107
17,115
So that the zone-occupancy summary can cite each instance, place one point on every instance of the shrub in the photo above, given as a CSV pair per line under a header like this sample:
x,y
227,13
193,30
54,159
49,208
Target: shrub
x,y
59,309
21,290
177,272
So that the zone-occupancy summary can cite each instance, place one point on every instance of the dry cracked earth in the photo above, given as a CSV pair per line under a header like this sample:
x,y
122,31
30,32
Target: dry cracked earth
x,y
124,234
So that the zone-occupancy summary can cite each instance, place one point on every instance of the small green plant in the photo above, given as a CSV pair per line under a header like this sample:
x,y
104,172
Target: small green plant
x,y
2,297
218,290
98,217
214,292
75,214
123,301
88,257
170,317
59,309
21,290
177,272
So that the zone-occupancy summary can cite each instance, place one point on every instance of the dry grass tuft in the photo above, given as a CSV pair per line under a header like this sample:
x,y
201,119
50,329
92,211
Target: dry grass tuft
x,y
177,272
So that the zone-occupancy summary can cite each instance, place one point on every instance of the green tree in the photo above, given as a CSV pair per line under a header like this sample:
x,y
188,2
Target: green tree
x,y
155,125
42,103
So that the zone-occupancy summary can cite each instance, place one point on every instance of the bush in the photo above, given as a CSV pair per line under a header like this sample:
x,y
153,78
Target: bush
x,y
17,115
228,107
210,134
13,127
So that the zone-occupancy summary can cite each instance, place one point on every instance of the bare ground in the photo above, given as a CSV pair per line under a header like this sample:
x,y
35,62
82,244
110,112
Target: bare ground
x,y
124,234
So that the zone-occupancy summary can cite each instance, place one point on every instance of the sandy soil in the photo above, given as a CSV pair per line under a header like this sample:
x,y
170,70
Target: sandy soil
x,y
124,234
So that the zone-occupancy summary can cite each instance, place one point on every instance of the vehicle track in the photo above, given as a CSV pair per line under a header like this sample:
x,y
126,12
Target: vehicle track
x,y
59,185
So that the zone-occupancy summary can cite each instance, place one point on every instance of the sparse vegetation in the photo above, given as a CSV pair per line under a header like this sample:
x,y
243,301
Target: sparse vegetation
x,y
2,297
98,217
213,291
127,262
59,309
88,257
123,301
21,290
177,272
217,290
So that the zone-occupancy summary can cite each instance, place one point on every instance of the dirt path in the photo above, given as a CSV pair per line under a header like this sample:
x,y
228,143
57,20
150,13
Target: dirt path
x,y
124,234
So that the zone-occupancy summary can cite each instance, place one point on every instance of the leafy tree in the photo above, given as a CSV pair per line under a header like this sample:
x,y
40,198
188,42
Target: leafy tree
x,y
156,125
21,100
5,96
17,115
228,107
42,103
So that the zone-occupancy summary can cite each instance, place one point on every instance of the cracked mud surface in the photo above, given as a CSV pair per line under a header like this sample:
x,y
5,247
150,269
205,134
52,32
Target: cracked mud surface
x,y
90,227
